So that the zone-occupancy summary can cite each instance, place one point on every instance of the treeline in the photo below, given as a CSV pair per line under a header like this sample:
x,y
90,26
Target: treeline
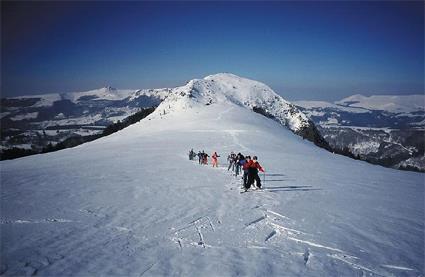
x,y
345,151
15,152
127,121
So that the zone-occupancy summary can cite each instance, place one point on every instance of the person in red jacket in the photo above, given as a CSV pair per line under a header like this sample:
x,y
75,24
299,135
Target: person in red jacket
x,y
253,168
214,159
245,164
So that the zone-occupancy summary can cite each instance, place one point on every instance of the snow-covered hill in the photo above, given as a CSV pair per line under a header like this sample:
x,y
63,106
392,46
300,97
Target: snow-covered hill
x,y
35,121
225,87
132,204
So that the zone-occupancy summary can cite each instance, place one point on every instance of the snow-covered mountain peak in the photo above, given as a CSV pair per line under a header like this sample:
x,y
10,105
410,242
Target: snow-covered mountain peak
x,y
226,88
241,90
109,89
225,75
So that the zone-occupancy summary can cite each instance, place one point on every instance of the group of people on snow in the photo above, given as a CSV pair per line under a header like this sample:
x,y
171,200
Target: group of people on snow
x,y
203,157
249,166
238,163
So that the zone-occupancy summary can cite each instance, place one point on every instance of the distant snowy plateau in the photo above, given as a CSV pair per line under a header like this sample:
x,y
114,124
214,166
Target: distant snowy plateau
x,y
133,204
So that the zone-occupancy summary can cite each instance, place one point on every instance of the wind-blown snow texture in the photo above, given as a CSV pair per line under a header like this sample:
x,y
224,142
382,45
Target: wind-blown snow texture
x,y
133,204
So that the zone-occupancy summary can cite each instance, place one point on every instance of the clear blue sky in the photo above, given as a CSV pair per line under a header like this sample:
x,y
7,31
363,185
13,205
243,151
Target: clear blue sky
x,y
303,50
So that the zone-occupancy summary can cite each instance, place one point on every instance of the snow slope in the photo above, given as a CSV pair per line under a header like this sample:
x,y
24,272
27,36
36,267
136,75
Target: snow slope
x,y
132,204
229,88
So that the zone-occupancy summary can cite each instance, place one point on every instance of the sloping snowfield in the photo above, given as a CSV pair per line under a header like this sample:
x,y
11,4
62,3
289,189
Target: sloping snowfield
x,y
132,204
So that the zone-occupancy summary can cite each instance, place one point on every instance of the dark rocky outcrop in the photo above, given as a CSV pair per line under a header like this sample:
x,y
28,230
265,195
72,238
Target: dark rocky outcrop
x,y
310,132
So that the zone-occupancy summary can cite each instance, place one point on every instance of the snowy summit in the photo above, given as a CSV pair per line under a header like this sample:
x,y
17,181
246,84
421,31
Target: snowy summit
x,y
133,204
228,88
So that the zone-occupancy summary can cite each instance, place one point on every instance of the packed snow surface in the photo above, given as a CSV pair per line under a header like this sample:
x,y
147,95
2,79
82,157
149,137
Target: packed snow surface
x,y
132,204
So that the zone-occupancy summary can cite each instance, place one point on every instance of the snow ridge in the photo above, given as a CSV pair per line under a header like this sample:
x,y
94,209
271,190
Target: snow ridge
x,y
225,87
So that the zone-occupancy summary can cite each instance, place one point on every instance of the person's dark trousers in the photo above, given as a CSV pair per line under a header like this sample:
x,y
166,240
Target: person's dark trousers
x,y
245,177
251,177
238,169
257,180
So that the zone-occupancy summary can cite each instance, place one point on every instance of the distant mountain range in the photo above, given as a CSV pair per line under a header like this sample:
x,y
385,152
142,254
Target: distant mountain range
x,y
382,129
33,122
41,121
386,130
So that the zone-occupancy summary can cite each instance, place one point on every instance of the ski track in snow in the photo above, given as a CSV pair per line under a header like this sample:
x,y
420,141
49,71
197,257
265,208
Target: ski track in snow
x,y
234,134
280,233
397,267
226,111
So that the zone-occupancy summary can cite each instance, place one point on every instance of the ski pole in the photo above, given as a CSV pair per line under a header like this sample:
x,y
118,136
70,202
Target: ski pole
x,y
264,179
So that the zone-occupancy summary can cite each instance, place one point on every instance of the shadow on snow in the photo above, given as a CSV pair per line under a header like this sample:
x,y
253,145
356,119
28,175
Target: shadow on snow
x,y
280,180
290,188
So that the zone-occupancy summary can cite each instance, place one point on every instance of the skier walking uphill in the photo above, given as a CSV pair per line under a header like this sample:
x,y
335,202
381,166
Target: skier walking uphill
x,y
253,167
204,158
191,154
239,158
231,159
199,157
245,169
214,159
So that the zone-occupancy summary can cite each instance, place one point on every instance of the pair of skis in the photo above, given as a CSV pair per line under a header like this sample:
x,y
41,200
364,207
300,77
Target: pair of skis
x,y
256,189
252,190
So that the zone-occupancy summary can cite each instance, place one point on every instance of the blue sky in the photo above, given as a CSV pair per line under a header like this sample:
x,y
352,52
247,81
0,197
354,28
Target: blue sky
x,y
303,50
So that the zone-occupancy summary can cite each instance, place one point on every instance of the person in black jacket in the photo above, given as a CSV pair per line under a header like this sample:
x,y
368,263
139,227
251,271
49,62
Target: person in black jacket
x,y
199,157
239,159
